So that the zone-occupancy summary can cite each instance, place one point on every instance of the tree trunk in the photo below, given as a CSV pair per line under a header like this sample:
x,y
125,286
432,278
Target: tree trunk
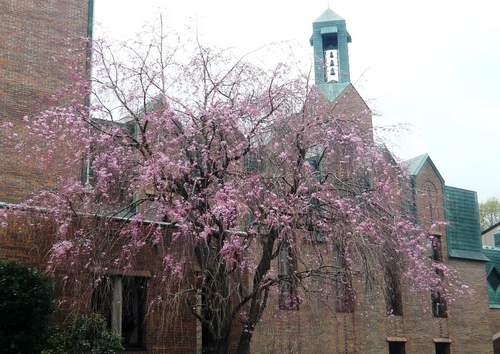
x,y
212,345
259,301
244,343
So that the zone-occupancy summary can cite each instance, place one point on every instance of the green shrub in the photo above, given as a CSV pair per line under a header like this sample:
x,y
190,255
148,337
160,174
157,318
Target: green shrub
x,y
56,344
25,304
90,334
86,334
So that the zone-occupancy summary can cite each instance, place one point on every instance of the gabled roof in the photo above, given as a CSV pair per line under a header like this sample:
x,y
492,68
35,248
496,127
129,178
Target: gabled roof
x,y
415,164
461,214
492,227
327,16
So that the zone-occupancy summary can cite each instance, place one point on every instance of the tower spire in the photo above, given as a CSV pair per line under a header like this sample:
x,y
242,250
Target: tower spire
x,y
331,58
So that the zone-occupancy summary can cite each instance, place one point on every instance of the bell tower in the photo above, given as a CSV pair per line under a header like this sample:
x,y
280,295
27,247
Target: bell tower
x,y
331,57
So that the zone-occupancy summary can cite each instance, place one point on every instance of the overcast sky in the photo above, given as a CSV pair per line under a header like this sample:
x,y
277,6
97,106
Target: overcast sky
x,y
432,64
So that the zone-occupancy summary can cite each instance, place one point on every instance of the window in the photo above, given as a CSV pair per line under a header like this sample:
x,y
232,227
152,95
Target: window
x,y
397,348
430,202
438,299
113,198
121,300
436,248
315,214
494,279
314,160
394,298
128,130
438,305
252,223
316,236
442,348
254,163
288,299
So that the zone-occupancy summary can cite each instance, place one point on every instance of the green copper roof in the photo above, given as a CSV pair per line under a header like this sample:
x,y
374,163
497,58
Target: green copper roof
x,y
328,15
415,164
463,232
332,91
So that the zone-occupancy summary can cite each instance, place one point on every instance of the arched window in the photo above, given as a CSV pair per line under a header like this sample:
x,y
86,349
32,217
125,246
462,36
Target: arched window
x,y
430,202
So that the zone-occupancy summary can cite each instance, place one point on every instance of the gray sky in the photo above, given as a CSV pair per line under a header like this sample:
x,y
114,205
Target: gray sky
x,y
432,64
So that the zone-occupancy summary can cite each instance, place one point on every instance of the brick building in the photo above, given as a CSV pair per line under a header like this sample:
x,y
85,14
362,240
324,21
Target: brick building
x,y
493,278
33,32
461,327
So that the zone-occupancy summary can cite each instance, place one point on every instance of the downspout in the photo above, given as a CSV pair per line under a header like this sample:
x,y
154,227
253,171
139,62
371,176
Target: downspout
x,y
88,69
90,34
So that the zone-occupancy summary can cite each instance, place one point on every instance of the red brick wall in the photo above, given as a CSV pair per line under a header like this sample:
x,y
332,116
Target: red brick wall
x,y
430,205
315,328
27,240
350,105
470,317
32,33
22,240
